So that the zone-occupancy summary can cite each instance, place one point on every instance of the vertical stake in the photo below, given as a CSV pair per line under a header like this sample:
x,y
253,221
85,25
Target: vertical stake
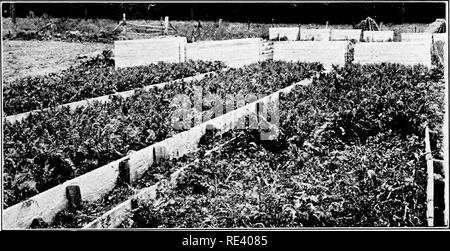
x,y
166,25
124,172
73,195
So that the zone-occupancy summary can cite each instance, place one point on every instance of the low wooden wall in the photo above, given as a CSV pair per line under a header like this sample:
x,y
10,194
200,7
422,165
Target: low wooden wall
x,y
378,36
345,34
234,53
408,53
326,52
315,34
291,33
129,53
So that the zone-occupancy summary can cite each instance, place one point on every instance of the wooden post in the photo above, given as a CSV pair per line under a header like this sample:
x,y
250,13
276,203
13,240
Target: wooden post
x,y
12,10
381,25
220,22
430,179
124,23
124,172
326,25
73,195
166,25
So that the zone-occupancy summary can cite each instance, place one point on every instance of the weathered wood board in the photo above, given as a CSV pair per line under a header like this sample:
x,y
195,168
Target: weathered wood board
x,y
326,52
345,34
234,53
378,36
408,53
315,34
291,33
146,51
416,37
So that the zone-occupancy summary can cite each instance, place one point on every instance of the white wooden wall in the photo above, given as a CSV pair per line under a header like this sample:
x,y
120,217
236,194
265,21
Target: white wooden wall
x,y
378,36
326,52
345,34
315,34
291,33
235,53
129,53
416,37
408,53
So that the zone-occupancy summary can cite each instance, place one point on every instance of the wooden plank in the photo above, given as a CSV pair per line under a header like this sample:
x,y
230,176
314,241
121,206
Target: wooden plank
x,y
326,52
291,33
430,179
378,36
315,34
234,53
346,34
416,37
129,53
107,98
408,53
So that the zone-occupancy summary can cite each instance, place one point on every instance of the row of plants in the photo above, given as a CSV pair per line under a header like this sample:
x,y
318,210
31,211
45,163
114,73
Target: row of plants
x,y
49,147
349,152
93,78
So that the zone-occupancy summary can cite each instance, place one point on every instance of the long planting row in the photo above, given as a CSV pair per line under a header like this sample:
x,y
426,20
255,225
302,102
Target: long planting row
x,y
93,78
357,161
48,148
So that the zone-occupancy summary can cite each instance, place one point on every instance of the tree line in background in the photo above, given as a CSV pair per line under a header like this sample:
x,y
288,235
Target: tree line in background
x,y
348,13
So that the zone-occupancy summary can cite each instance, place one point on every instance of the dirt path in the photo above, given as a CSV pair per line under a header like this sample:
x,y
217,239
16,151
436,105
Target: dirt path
x,y
29,58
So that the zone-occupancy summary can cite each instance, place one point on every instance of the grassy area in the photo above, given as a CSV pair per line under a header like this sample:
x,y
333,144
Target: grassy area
x,y
210,30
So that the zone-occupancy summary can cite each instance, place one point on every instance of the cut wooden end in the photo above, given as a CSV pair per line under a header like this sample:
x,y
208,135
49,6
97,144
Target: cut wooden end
x,y
73,195
124,172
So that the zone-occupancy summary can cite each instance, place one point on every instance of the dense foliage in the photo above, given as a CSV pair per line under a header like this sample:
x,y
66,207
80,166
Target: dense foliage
x,y
52,146
350,152
248,184
93,78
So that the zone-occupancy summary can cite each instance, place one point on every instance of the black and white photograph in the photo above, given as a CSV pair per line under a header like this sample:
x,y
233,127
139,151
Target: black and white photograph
x,y
220,115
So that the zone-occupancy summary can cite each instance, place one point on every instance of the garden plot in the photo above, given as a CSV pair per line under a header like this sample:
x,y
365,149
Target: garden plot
x,y
147,114
349,173
408,53
93,78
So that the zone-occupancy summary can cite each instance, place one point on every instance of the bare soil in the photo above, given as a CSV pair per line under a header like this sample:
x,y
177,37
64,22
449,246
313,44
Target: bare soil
x,y
29,58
